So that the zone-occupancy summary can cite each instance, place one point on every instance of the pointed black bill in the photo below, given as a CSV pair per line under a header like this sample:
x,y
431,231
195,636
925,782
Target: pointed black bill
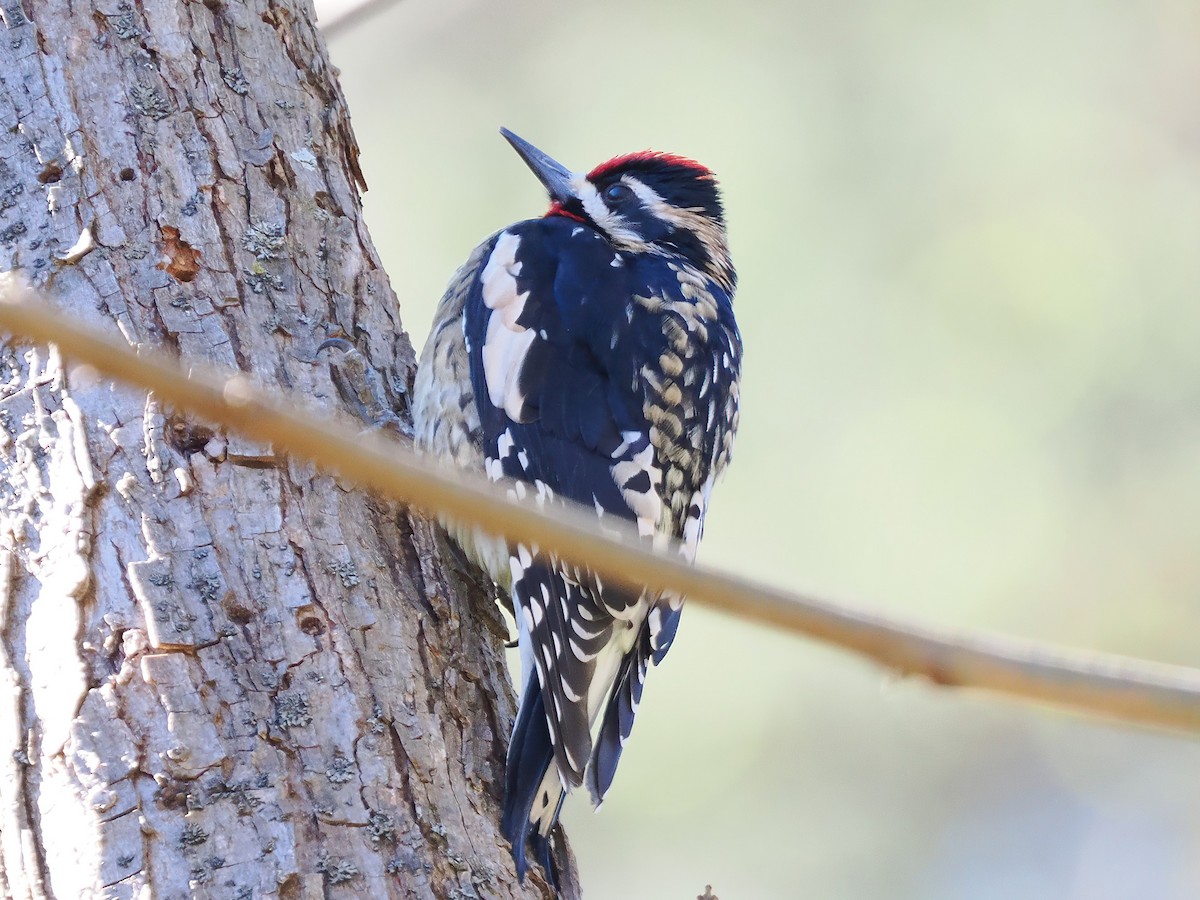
x,y
554,175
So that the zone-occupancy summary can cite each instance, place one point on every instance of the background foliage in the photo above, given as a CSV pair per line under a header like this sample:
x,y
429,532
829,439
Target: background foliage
x,y
967,237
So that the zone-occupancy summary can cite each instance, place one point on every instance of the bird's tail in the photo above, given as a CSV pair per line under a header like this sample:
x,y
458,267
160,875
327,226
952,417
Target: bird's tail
x,y
533,792
619,712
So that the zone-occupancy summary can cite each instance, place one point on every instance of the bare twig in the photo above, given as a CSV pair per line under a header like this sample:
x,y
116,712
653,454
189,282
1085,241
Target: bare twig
x,y
357,14
1129,690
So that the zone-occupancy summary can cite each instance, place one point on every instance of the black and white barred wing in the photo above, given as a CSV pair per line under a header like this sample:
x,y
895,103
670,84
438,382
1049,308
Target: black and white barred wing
x,y
619,407
550,421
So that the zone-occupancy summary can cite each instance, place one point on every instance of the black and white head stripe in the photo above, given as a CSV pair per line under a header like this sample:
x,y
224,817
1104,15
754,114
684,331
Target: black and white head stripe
x,y
686,182
656,203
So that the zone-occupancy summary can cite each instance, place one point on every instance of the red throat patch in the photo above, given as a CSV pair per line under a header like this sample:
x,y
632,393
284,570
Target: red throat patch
x,y
557,209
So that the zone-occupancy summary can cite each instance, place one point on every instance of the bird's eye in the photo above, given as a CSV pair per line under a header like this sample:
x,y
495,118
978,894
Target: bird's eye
x,y
616,193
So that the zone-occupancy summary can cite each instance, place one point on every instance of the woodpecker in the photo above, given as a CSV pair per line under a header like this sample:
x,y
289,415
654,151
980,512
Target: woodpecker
x,y
589,356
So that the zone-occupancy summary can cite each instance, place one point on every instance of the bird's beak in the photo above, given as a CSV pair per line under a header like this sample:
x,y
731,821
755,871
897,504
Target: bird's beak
x,y
554,175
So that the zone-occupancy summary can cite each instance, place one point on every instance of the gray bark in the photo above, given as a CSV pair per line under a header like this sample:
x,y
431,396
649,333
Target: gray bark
x,y
224,673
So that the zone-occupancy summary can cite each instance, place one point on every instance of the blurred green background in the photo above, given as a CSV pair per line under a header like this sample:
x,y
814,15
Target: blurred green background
x,y
968,236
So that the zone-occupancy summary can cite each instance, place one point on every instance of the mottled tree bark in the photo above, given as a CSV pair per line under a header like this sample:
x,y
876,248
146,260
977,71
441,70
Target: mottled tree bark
x,y
223,673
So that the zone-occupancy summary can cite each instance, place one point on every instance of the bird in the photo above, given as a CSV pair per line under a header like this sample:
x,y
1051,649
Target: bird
x,y
587,356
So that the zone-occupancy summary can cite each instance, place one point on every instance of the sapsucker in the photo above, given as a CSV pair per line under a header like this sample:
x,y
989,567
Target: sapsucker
x,y
592,356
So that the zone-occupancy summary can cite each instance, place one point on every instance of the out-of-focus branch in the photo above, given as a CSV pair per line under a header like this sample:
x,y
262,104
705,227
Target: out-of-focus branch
x,y
353,15
1125,689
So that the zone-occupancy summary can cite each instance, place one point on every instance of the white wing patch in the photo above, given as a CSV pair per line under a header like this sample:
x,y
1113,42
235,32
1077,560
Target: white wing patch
x,y
506,341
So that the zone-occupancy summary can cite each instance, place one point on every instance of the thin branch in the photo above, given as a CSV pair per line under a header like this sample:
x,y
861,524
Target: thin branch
x,y
358,14
1120,688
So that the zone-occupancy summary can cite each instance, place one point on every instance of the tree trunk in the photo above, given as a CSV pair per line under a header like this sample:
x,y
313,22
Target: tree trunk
x,y
224,673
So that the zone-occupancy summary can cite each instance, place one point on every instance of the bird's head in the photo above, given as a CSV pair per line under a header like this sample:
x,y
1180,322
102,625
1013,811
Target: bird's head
x,y
644,202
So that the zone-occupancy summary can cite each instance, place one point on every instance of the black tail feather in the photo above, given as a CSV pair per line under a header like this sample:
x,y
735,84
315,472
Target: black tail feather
x,y
543,851
530,756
